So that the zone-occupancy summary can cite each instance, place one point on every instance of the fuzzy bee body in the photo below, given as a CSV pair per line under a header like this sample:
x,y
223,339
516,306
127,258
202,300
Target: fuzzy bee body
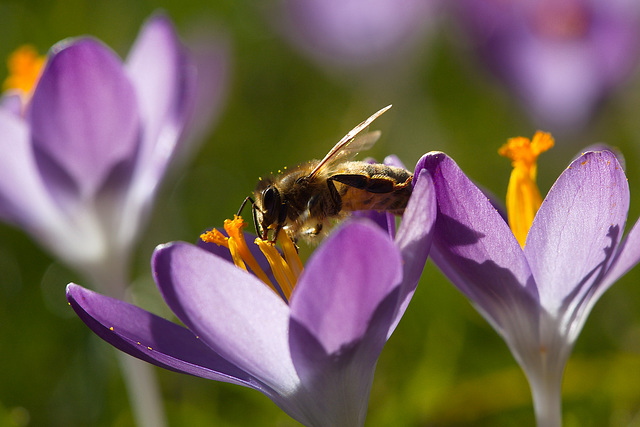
x,y
305,199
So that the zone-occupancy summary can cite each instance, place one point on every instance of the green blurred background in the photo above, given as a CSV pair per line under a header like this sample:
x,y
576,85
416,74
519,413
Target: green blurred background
x,y
444,365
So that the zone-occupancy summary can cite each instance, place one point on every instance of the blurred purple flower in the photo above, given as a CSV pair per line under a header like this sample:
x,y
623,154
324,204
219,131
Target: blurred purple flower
x,y
537,297
315,356
561,57
355,33
84,155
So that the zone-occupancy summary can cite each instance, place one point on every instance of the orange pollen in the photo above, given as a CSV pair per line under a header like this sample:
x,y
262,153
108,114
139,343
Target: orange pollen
x,y
523,196
24,66
285,270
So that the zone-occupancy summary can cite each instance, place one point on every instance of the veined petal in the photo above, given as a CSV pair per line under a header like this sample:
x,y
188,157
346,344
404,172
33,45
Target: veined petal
x,y
343,283
477,251
341,310
575,233
84,116
154,339
628,256
230,310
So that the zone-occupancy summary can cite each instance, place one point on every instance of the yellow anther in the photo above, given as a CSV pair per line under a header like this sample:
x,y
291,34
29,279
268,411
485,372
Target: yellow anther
x,y
523,196
24,66
240,249
215,236
281,271
285,270
290,253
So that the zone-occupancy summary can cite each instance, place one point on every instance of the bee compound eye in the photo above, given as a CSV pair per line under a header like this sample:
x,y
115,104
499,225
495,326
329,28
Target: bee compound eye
x,y
270,200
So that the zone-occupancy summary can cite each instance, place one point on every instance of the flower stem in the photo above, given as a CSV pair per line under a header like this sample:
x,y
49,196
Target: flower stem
x,y
547,400
144,393
140,379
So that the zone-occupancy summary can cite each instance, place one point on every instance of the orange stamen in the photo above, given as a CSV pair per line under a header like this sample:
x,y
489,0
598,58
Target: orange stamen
x,y
24,66
523,196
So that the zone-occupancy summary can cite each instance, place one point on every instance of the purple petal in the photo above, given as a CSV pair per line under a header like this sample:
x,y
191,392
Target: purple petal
x,y
11,101
341,310
576,231
153,339
164,82
84,116
627,257
562,57
344,282
230,310
414,238
384,220
476,250
23,198
355,32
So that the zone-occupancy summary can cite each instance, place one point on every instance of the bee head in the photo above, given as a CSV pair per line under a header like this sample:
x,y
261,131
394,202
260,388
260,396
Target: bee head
x,y
268,209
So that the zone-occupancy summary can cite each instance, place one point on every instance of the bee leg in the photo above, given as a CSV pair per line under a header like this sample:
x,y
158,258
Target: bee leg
x,y
337,199
256,224
364,182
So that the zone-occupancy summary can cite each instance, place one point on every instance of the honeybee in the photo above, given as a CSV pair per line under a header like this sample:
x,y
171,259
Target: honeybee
x,y
303,200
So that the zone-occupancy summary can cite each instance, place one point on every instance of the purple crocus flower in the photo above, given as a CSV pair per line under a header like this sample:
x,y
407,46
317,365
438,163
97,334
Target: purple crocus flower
x,y
313,355
84,151
354,33
537,297
84,154
562,57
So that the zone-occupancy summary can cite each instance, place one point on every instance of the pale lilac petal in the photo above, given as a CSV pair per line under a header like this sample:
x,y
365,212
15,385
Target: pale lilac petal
x,y
414,238
164,80
11,101
576,231
384,220
393,160
627,256
84,116
562,58
354,269
355,32
341,310
23,198
476,249
154,339
229,309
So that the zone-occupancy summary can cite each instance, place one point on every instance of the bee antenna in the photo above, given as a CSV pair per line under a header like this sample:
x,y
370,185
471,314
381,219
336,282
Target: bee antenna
x,y
244,202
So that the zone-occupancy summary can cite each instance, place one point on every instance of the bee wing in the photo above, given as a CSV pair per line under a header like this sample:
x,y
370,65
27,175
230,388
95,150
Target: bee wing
x,y
351,144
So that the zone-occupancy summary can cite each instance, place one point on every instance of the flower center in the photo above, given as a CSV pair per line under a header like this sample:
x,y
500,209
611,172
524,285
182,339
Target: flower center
x,y
523,196
24,66
285,270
